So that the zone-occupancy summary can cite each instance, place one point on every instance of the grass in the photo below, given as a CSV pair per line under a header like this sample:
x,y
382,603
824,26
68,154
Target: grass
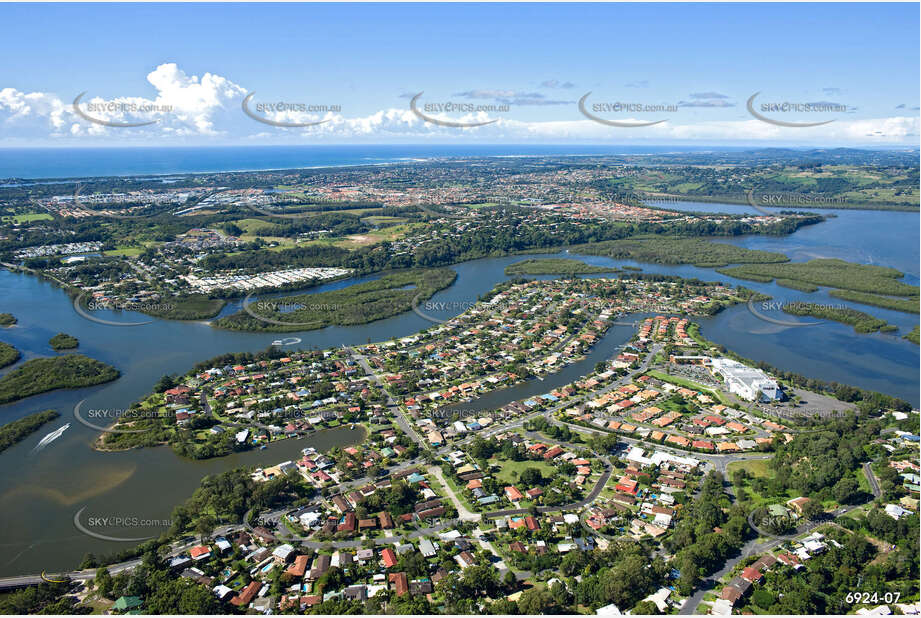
x,y
689,384
459,491
27,217
511,470
385,234
384,219
759,468
124,251
862,480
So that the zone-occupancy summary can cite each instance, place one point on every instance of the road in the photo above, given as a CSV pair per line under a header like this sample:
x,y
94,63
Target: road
x,y
8,583
749,549
392,405
462,511
719,462
871,478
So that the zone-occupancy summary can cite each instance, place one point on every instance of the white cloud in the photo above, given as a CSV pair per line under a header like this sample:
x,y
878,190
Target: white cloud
x,y
205,109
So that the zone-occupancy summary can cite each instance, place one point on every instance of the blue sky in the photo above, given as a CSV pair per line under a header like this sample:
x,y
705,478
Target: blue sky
x,y
195,63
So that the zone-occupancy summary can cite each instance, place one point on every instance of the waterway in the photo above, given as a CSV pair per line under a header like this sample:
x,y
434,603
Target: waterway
x,y
40,492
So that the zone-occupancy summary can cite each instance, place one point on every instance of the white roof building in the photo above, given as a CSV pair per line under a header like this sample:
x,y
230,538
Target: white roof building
x,y
744,381
721,607
608,610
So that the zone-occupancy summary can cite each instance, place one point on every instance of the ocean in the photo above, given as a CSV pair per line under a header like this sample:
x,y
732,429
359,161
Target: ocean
x,y
51,163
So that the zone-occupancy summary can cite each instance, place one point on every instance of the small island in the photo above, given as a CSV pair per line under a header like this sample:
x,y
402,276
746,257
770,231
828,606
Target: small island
x,y
19,430
874,282
391,294
41,375
862,322
556,266
63,341
8,354
914,336
7,319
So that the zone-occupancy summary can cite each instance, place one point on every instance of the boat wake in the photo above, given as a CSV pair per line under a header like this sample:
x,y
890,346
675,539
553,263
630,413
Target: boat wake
x,y
286,341
51,437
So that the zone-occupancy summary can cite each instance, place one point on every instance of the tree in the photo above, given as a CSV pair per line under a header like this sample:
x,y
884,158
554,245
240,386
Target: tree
x,y
645,608
689,577
536,601
812,510
531,477
482,580
204,526
846,490
104,582
503,607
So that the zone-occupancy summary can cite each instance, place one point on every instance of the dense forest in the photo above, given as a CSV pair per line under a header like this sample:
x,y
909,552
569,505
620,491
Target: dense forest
x,y
555,266
673,250
20,429
40,375
391,294
862,322
830,273
63,341
8,354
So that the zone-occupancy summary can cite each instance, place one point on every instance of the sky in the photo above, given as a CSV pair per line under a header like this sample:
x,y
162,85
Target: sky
x,y
691,69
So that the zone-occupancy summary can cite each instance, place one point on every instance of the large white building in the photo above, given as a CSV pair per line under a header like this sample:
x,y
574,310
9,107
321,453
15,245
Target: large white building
x,y
744,381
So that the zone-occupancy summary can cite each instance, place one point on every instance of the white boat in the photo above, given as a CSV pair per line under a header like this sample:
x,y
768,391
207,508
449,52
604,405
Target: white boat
x,y
51,437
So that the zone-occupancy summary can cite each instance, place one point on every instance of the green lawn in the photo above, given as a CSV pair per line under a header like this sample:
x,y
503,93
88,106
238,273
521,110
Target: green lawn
x,y
755,467
694,386
28,217
124,251
511,470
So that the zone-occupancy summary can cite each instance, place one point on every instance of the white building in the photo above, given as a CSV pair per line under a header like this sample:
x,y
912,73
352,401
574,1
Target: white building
x,y
744,381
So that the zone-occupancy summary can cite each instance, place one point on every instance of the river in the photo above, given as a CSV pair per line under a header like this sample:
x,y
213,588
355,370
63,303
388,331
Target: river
x,y
41,492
